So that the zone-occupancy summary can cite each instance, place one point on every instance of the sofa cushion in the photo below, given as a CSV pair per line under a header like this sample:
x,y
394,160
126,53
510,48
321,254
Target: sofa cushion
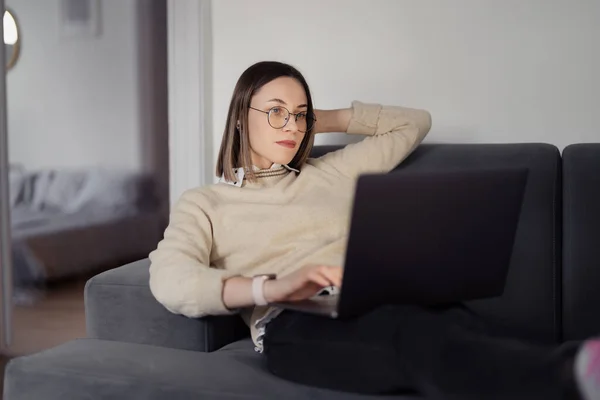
x,y
530,305
98,369
581,244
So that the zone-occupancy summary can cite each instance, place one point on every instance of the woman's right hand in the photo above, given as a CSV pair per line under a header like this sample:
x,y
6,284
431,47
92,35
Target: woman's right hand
x,y
302,284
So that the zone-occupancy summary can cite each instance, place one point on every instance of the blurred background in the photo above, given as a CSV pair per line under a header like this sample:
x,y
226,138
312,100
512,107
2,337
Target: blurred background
x,y
87,128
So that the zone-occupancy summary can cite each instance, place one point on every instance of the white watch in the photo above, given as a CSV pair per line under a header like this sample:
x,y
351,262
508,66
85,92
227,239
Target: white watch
x,y
258,283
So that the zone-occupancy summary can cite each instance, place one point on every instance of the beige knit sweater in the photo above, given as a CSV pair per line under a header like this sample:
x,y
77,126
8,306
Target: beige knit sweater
x,y
278,224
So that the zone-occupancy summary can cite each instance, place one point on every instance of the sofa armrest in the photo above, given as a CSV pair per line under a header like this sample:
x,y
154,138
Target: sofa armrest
x,y
581,230
119,306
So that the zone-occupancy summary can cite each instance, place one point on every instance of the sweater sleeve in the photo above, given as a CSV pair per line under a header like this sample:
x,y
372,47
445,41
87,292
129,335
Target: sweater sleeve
x,y
181,278
392,134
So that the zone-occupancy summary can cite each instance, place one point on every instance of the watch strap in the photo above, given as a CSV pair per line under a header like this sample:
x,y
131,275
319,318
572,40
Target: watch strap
x,y
258,283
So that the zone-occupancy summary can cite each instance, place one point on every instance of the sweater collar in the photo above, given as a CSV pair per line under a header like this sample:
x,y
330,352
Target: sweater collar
x,y
275,170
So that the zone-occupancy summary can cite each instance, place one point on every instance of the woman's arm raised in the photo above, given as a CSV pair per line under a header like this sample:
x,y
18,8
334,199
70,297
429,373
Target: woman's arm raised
x,y
392,134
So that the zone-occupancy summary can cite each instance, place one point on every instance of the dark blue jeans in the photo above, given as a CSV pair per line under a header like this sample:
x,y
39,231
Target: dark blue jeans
x,y
441,353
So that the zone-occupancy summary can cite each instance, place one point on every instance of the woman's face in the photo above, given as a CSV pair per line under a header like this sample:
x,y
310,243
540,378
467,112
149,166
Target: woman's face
x,y
272,142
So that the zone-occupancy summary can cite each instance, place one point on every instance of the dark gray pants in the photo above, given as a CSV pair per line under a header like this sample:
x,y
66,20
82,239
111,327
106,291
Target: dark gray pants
x,y
442,353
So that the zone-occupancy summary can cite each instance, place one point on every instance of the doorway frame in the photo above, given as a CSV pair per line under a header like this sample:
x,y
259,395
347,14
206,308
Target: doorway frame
x,y
5,224
190,95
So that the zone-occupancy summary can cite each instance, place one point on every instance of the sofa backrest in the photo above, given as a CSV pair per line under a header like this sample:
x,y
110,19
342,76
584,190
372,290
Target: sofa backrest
x,y
529,307
581,241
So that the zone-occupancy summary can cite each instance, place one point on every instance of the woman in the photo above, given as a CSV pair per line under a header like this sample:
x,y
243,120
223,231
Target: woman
x,y
277,211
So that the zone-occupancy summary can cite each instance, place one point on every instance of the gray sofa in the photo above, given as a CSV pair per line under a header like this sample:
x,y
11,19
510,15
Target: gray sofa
x,y
136,349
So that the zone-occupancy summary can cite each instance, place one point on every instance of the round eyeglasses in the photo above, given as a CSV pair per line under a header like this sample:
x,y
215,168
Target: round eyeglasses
x,y
278,117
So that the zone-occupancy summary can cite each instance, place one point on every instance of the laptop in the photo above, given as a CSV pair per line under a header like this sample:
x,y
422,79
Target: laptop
x,y
426,238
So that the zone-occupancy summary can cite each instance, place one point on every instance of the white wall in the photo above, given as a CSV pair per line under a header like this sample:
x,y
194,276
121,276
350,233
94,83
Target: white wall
x,y
76,102
487,70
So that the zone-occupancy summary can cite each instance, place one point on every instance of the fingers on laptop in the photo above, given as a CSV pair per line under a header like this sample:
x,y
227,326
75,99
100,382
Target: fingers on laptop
x,y
332,275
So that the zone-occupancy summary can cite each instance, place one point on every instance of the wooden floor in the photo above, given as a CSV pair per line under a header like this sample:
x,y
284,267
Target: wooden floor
x,y
55,318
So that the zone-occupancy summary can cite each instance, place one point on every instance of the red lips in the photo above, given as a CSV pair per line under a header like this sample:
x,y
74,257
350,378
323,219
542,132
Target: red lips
x,y
287,143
